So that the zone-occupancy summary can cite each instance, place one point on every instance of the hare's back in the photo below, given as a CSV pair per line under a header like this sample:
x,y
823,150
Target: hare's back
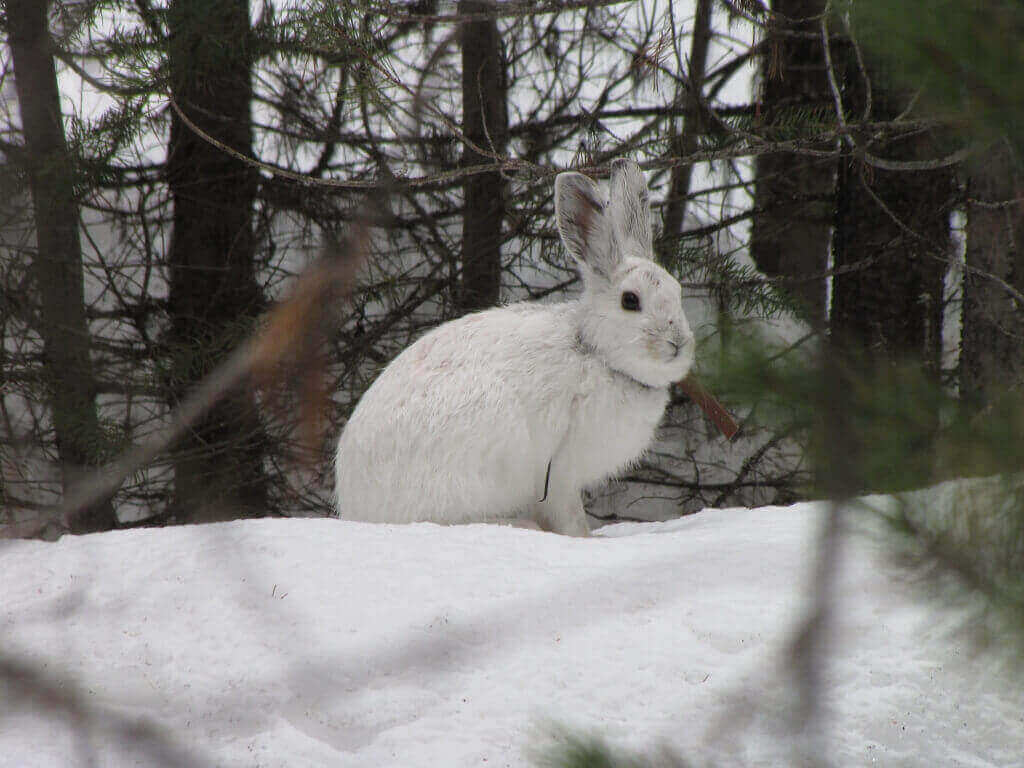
x,y
461,425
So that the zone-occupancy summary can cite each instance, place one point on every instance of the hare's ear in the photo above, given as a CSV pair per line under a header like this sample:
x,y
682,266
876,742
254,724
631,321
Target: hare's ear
x,y
583,223
629,207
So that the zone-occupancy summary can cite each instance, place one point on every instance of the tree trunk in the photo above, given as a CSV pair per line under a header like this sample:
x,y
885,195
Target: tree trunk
x,y
992,342
790,236
890,307
214,296
57,266
485,123
684,142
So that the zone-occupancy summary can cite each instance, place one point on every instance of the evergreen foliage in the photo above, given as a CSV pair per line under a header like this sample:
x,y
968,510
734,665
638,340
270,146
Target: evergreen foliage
x,y
966,56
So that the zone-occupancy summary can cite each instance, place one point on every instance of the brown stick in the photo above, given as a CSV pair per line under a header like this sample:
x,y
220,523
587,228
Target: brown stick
x,y
714,409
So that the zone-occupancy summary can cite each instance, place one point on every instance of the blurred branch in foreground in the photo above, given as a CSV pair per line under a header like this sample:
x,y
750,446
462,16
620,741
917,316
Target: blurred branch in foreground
x,y
967,55
26,684
294,332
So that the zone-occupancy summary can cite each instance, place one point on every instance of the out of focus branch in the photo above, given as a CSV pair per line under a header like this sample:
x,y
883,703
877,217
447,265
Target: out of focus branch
x,y
500,10
288,328
26,684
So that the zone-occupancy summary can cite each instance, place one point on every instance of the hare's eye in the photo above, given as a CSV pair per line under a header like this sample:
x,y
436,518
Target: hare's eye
x,y
630,301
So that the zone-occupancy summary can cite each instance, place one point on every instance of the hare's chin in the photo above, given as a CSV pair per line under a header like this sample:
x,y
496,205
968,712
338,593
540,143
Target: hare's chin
x,y
664,370
679,364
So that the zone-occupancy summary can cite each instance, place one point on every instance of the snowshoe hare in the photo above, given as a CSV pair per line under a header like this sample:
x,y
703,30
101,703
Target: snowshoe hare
x,y
509,413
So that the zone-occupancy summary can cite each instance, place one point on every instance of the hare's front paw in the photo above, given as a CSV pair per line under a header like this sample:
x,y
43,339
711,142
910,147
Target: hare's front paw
x,y
576,525
568,518
524,522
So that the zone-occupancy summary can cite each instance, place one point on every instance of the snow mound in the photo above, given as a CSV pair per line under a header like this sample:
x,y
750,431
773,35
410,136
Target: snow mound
x,y
322,642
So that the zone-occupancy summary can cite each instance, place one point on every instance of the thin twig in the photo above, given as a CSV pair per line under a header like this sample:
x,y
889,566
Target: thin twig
x,y
307,180
936,250
501,10
833,85
861,66
844,130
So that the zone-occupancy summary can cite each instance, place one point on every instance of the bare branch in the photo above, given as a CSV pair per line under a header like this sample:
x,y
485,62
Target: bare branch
x,y
500,10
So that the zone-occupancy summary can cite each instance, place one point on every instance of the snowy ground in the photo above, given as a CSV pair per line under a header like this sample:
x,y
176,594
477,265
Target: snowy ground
x,y
318,642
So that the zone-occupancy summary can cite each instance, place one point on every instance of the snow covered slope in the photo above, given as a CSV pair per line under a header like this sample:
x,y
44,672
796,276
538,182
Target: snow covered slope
x,y
321,642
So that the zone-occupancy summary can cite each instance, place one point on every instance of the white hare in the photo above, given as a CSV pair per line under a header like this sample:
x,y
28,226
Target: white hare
x,y
509,413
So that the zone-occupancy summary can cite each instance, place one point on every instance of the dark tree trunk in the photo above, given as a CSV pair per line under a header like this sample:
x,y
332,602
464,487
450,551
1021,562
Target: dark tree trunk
x,y
890,306
485,123
214,296
57,265
790,237
992,343
683,142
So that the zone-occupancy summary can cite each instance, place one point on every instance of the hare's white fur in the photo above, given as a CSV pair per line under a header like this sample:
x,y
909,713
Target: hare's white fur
x,y
511,412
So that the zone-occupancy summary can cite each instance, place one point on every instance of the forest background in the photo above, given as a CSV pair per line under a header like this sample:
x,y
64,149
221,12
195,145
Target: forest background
x,y
168,171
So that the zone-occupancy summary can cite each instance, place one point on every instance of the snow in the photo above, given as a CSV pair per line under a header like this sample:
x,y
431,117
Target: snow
x,y
322,642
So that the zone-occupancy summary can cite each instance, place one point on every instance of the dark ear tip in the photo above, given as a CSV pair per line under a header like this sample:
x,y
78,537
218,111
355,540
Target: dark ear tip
x,y
570,178
575,184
